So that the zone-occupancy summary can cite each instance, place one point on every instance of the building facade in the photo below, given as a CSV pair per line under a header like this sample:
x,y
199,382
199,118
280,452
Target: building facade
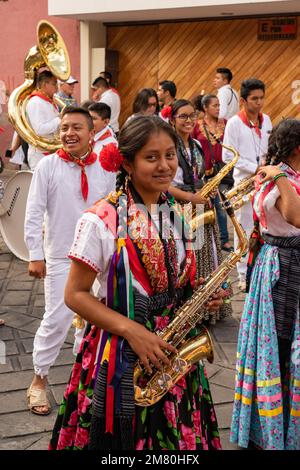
x,y
185,41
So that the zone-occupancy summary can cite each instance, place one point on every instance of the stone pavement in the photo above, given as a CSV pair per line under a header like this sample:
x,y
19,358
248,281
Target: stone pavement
x,y
22,307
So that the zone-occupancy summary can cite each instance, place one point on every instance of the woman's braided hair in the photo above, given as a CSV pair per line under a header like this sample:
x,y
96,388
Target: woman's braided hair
x,y
283,140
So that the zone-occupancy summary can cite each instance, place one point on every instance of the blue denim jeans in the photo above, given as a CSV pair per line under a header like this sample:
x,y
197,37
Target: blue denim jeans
x,y
221,216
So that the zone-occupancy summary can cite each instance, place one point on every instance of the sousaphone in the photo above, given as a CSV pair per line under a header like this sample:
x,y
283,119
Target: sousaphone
x,y
50,52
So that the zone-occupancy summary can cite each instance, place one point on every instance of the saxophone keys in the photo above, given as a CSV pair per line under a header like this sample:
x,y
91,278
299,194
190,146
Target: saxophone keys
x,y
179,365
165,381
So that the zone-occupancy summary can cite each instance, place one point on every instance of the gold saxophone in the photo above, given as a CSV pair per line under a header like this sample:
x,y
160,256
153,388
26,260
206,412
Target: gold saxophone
x,y
216,180
209,216
238,196
190,350
241,193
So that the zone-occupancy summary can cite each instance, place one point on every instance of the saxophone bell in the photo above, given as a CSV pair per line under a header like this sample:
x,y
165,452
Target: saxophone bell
x,y
192,351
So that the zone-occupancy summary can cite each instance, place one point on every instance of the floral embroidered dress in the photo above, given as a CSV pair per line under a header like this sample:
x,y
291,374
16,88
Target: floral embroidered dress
x,y
267,390
184,418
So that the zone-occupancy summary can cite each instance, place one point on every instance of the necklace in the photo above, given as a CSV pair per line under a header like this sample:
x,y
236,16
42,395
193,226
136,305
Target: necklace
x,y
257,148
216,131
81,158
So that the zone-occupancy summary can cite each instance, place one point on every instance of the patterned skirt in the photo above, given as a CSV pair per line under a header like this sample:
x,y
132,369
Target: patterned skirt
x,y
184,419
208,258
267,390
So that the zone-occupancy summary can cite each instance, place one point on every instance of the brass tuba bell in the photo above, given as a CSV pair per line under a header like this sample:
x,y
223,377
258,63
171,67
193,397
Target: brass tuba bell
x,y
50,52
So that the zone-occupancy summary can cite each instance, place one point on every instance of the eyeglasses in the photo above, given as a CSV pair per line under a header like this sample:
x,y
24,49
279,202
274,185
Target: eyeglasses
x,y
185,117
152,105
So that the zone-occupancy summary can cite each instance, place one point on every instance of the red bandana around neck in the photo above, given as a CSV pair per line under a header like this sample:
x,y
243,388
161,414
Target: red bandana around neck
x,y
43,97
89,160
104,136
257,127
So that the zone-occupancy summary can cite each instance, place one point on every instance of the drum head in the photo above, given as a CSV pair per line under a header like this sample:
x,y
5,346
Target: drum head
x,y
12,217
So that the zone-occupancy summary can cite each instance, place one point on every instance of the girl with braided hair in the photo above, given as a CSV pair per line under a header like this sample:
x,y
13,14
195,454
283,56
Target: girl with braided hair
x,y
144,275
267,393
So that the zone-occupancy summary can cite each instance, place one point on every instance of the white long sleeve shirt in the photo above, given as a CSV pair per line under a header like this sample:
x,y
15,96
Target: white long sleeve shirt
x,y
112,99
44,120
43,117
103,138
229,102
246,141
55,193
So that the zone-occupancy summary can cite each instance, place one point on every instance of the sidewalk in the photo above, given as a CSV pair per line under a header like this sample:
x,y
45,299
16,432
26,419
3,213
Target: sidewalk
x,y
22,307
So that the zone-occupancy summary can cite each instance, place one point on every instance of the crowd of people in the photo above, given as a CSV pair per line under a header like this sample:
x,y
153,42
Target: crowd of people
x,y
109,181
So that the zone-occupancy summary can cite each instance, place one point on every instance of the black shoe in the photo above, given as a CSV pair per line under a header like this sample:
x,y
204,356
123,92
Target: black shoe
x,y
229,249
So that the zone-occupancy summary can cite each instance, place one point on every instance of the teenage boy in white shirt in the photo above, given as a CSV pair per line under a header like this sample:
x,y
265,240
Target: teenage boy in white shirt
x,y
248,132
228,97
102,93
100,113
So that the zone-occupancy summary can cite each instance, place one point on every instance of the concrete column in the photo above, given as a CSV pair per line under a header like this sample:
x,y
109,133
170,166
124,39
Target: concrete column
x,y
92,54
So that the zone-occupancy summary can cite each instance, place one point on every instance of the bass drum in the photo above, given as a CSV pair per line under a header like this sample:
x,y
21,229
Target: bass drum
x,y
12,213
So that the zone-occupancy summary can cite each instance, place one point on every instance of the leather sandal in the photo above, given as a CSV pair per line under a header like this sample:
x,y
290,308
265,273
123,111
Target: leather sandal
x,y
36,398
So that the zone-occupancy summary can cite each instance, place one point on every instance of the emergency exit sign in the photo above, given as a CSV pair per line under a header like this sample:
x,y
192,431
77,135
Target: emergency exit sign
x,y
272,29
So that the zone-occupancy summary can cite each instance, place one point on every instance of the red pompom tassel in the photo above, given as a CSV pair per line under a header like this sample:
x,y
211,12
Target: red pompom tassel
x,y
111,158
166,112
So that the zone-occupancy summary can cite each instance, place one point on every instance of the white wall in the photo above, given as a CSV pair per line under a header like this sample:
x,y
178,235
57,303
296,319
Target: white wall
x,y
92,37
138,10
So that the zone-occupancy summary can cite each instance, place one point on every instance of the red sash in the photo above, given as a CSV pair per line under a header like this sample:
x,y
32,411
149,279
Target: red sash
x,y
43,97
89,160
104,136
257,127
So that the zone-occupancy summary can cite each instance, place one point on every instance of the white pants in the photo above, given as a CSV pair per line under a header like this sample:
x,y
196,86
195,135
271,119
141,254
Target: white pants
x,y
34,157
57,318
245,217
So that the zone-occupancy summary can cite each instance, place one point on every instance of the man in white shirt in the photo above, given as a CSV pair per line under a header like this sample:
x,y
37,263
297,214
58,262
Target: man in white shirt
x,y
248,132
228,97
42,113
104,94
63,186
166,93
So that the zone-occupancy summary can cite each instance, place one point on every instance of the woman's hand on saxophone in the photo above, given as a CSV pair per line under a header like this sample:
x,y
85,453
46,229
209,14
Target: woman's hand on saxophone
x,y
197,199
149,347
217,299
267,173
213,194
